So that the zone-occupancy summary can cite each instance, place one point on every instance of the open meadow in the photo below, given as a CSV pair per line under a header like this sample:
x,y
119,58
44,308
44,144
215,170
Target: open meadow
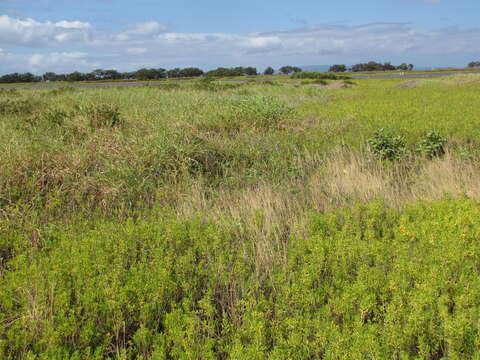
x,y
296,219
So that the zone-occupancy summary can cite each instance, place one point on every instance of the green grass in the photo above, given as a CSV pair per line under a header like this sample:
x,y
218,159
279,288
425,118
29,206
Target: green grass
x,y
214,220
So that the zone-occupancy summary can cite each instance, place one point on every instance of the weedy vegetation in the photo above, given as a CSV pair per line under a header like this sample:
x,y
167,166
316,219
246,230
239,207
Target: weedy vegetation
x,y
214,220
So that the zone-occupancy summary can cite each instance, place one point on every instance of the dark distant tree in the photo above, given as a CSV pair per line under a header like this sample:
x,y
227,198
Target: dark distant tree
x,y
269,71
190,72
100,74
50,76
19,78
97,74
338,68
173,73
296,69
250,71
474,64
286,69
29,77
75,76
128,75
236,71
112,75
150,74
410,67
374,66
388,67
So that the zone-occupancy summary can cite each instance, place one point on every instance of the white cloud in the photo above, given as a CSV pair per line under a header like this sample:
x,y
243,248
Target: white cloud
x,y
28,32
72,25
143,30
69,45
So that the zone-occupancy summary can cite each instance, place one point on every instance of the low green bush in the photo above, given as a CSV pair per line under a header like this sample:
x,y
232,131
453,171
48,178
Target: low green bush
x,y
432,145
387,146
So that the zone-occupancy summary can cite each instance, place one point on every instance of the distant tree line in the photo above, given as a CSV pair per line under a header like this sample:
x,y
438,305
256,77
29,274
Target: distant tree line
x,y
474,64
100,74
236,71
371,66
143,74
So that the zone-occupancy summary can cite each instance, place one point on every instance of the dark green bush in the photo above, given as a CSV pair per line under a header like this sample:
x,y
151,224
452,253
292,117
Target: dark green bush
x,y
432,145
387,146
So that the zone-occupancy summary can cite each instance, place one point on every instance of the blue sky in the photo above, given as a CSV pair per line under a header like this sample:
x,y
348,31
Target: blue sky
x,y
81,35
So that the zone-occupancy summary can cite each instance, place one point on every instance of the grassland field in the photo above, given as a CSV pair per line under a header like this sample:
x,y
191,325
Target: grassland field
x,y
274,220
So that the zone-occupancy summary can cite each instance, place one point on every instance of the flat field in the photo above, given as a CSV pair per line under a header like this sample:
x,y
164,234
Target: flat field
x,y
272,220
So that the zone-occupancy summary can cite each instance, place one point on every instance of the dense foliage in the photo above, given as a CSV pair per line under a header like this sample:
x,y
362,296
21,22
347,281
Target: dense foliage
x,y
474,64
100,74
387,146
374,66
236,71
372,283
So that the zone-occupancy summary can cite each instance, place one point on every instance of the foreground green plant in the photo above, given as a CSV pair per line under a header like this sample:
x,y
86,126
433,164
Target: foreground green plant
x,y
387,146
367,283
432,145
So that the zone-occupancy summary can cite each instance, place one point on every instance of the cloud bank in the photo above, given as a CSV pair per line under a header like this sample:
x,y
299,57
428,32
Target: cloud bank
x,y
30,45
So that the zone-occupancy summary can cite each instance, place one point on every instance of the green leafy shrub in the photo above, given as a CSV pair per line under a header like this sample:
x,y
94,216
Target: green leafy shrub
x,y
432,145
387,146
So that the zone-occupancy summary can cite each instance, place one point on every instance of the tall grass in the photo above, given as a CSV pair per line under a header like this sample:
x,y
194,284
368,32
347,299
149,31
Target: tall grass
x,y
176,222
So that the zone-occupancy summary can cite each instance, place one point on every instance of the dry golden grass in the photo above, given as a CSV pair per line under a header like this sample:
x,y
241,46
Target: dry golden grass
x,y
271,212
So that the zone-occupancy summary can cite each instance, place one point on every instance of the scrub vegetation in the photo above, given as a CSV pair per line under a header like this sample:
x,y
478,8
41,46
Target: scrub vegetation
x,y
268,220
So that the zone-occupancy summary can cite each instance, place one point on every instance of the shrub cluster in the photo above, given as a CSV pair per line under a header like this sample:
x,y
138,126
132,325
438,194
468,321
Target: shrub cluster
x,y
388,146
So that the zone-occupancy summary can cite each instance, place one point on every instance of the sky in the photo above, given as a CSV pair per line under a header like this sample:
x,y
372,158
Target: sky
x,y
82,35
